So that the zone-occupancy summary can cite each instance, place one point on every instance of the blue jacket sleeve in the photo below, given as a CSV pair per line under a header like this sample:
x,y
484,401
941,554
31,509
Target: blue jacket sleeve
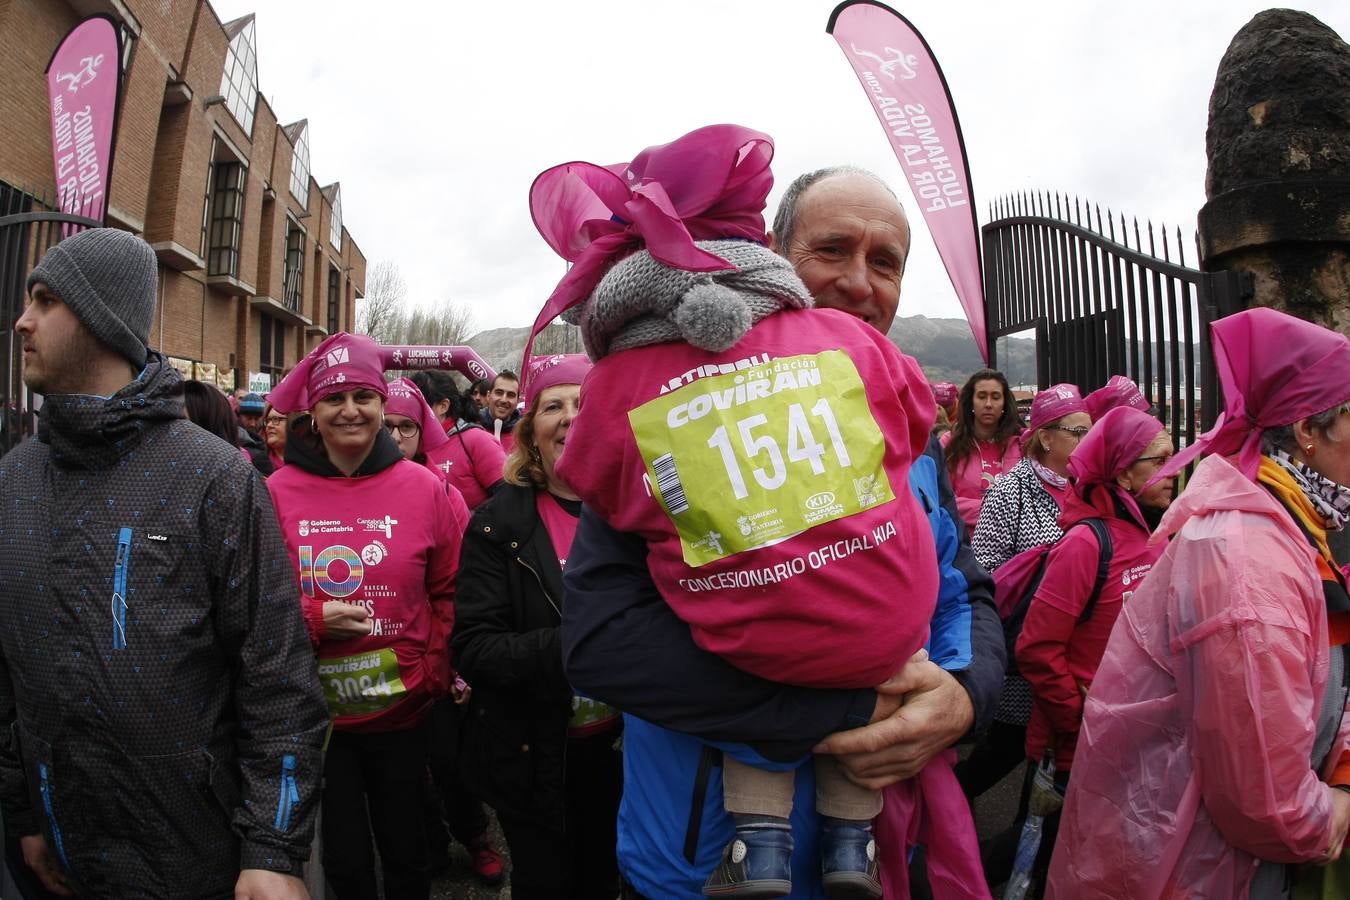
x,y
983,676
623,645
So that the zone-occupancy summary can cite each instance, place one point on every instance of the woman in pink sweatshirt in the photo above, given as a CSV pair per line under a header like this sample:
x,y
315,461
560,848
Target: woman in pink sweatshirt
x,y
375,539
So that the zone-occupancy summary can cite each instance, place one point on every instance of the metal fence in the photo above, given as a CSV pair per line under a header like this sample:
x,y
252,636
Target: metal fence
x,y
1100,307
28,228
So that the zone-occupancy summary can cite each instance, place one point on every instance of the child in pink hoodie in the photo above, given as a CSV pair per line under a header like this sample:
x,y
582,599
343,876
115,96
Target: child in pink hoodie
x,y
761,448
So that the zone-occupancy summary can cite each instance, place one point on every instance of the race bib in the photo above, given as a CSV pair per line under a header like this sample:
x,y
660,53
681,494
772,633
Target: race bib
x,y
743,460
361,684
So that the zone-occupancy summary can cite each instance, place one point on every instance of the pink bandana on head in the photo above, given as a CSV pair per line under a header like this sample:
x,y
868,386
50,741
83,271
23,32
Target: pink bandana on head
x,y
551,371
343,362
1051,404
709,184
1275,369
1111,447
1119,391
405,399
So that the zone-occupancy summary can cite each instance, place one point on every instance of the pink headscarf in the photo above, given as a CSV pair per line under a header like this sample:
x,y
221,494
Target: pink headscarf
x,y
1275,370
405,399
946,394
551,371
343,362
1119,391
1051,404
709,184
1111,447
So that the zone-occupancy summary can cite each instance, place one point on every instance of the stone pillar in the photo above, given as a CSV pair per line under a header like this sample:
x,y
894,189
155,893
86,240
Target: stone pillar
x,y
1278,183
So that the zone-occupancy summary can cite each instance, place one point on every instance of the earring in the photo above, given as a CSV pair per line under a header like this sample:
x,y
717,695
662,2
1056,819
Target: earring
x,y
1309,450
313,425
1045,448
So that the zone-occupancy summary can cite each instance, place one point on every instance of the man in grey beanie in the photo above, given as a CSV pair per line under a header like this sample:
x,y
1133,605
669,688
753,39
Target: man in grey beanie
x,y
161,721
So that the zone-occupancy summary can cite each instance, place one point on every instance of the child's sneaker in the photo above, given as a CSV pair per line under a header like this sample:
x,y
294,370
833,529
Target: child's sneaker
x,y
848,861
756,864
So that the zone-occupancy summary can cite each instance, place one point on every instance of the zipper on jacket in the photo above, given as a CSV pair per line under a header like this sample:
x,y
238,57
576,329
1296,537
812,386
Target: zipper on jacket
x,y
543,590
51,814
119,597
289,794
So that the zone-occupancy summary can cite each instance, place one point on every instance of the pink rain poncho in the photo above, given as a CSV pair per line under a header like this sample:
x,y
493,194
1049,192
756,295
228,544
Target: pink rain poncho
x,y
1193,761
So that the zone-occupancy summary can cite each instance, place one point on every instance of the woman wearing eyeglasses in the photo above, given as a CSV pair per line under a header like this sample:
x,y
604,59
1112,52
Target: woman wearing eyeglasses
x,y
375,539
1074,608
1019,512
274,434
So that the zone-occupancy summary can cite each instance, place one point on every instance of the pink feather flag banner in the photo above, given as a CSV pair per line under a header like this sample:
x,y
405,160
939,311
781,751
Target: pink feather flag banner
x,y
909,94
84,85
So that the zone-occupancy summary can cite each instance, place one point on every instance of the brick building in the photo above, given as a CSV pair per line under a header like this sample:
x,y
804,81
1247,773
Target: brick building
x,y
256,263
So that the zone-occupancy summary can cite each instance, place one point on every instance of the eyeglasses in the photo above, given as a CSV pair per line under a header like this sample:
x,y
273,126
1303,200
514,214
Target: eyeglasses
x,y
1078,432
274,420
1154,459
405,429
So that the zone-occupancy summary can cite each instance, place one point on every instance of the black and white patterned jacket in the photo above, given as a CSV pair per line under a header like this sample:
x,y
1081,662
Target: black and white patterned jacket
x,y
1018,514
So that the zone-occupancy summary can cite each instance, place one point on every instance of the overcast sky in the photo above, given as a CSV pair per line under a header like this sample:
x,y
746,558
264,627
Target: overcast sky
x,y
436,116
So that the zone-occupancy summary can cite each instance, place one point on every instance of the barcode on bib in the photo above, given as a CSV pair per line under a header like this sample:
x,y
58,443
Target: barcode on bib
x,y
668,484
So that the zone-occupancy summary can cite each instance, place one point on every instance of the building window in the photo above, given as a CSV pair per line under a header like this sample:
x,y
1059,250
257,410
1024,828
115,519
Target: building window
x,y
335,221
226,210
334,295
272,347
239,81
294,271
300,166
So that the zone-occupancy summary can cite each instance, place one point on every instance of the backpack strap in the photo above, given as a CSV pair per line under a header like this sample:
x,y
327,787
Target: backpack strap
x,y
1103,564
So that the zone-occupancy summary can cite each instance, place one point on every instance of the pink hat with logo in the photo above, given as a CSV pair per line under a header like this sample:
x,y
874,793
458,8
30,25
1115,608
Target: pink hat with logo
x,y
343,362
946,394
550,371
1275,369
405,399
1051,404
1119,391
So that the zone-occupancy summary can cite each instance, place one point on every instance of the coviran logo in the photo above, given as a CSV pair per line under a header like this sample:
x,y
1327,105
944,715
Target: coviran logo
x,y
820,501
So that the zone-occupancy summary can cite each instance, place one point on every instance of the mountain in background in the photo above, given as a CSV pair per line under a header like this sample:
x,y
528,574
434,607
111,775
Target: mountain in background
x,y
944,348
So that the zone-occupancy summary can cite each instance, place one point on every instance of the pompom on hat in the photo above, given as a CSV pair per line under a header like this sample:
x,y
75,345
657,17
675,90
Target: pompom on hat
x,y
1275,370
405,399
343,362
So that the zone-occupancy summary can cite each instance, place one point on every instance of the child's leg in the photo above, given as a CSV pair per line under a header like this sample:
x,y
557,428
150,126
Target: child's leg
x,y
757,863
848,856
747,790
839,798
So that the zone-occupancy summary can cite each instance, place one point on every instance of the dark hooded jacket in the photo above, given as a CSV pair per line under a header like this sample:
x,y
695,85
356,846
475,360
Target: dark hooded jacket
x,y
162,719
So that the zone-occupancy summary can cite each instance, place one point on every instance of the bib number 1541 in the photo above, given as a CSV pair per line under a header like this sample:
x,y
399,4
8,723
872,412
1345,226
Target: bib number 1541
x,y
802,446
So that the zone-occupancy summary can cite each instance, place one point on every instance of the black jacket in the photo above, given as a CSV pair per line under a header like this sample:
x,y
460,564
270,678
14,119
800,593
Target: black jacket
x,y
624,645
161,720
507,645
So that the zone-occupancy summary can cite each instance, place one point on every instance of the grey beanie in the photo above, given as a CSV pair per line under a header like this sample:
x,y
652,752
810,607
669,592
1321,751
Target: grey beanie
x,y
640,301
108,279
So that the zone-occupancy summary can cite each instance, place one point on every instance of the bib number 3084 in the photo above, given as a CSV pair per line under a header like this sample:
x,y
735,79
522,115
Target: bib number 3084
x,y
745,459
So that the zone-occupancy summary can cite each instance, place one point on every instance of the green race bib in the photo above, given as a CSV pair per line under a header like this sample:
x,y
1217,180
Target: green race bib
x,y
747,459
361,684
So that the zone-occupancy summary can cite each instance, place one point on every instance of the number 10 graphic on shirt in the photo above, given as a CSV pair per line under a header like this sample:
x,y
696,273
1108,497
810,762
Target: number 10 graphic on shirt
x,y
743,460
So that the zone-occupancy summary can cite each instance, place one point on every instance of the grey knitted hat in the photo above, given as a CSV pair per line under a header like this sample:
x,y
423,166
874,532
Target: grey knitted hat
x,y
641,301
108,279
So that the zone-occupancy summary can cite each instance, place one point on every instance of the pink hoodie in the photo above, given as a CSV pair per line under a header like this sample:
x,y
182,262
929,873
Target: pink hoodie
x,y
784,462
471,461
388,542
